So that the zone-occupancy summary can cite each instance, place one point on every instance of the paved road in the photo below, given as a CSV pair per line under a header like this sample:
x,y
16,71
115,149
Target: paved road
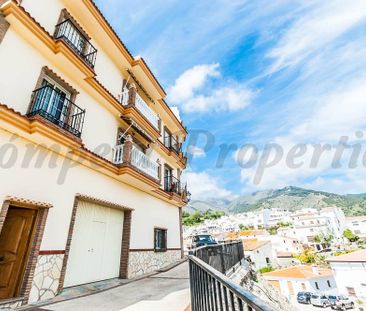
x,y
164,291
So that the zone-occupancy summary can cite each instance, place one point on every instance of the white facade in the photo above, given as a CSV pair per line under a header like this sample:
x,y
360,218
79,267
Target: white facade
x,y
261,256
51,166
350,273
357,225
290,281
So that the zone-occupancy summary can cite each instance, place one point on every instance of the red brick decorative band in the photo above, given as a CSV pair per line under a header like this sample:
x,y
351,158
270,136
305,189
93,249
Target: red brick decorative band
x,y
151,249
52,252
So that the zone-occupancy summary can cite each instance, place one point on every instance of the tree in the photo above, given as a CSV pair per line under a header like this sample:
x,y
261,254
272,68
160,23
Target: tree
x,y
350,236
265,269
307,256
243,227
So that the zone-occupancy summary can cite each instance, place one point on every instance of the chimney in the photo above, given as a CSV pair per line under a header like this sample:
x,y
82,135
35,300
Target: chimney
x,y
315,270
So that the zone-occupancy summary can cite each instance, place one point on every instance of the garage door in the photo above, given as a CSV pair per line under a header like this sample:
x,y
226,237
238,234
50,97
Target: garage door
x,y
95,249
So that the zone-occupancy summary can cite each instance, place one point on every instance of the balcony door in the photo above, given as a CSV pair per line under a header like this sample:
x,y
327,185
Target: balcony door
x,y
53,100
168,177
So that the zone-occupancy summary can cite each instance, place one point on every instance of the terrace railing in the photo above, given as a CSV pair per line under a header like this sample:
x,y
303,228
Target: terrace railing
x,y
67,31
211,289
171,143
137,158
53,105
144,163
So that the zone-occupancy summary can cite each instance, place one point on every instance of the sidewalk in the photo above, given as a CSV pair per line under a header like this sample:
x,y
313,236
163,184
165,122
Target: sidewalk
x,y
163,291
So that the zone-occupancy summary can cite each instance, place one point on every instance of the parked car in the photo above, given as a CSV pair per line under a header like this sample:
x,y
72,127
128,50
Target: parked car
x,y
304,297
340,302
203,240
319,300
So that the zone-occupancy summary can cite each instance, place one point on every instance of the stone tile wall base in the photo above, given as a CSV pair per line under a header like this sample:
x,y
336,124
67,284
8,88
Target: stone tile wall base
x,y
46,277
12,305
148,261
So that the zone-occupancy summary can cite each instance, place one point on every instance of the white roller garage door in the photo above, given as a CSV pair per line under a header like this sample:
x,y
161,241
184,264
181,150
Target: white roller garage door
x,y
95,249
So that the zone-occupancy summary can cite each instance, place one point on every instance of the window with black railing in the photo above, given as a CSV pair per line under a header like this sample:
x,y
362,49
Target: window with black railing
x,y
67,31
172,184
171,143
52,104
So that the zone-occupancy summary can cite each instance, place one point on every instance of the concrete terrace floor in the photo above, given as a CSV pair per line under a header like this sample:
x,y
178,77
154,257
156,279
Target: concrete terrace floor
x,y
163,291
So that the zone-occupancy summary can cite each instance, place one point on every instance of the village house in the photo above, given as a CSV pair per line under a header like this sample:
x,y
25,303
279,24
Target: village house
x,y
93,189
259,253
357,224
290,281
350,273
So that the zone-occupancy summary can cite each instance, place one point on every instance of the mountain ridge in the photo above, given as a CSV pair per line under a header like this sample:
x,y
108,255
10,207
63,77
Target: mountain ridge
x,y
290,197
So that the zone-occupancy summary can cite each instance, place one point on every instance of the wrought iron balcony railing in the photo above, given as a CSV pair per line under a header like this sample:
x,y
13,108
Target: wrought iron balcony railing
x,y
56,108
172,184
171,143
212,289
67,31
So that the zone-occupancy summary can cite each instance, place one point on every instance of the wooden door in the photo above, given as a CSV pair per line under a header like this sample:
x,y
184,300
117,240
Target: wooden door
x,y
15,240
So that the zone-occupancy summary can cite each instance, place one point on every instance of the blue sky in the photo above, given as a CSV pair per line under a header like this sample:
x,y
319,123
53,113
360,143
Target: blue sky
x,y
253,73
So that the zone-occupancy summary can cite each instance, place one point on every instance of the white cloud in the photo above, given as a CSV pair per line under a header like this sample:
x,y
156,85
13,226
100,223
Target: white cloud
x,y
193,92
324,22
191,80
204,186
196,152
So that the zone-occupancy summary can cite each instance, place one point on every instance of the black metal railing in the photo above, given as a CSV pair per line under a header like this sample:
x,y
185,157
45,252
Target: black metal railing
x,y
222,257
67,31
213,291
172,184
172,143
53,105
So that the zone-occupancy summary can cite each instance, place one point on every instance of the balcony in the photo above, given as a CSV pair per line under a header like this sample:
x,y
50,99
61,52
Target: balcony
x,y
53,105
124,154
73,37
173,185
171,143
131,97
210,287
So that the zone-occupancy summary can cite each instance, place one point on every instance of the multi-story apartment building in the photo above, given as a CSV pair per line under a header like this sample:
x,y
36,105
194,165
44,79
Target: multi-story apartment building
x,y
90,154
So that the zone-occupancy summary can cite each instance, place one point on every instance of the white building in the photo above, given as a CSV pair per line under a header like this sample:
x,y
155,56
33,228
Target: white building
x,y
259,253
357,224
290,281
350,273
91,190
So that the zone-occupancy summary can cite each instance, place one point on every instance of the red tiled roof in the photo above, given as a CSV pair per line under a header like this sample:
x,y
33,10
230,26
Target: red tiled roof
x,y
358,256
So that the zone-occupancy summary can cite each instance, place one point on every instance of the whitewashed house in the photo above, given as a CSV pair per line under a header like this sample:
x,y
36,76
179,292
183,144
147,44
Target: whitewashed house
x,y
289,281
259,253
357,224
350,273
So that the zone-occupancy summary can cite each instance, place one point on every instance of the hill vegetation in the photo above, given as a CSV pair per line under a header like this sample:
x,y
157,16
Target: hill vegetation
x,y
291,198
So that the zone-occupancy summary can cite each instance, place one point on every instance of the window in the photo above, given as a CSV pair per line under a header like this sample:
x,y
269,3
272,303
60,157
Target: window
x,y
316,285
268,261
328,284
160,236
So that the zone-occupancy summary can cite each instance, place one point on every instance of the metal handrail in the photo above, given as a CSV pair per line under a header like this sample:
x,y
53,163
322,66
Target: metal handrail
x,y
171,143
56,108
212,290
76,40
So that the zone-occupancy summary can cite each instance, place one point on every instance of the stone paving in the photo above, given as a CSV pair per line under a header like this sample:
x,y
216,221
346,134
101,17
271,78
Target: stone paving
x,y
163,291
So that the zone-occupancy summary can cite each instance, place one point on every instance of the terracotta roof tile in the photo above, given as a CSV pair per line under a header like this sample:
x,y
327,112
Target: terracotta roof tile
x,y
358,256
253,244
298,272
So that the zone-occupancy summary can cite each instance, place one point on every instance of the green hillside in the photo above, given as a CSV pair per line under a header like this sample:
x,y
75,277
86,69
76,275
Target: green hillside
x,y
291,198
